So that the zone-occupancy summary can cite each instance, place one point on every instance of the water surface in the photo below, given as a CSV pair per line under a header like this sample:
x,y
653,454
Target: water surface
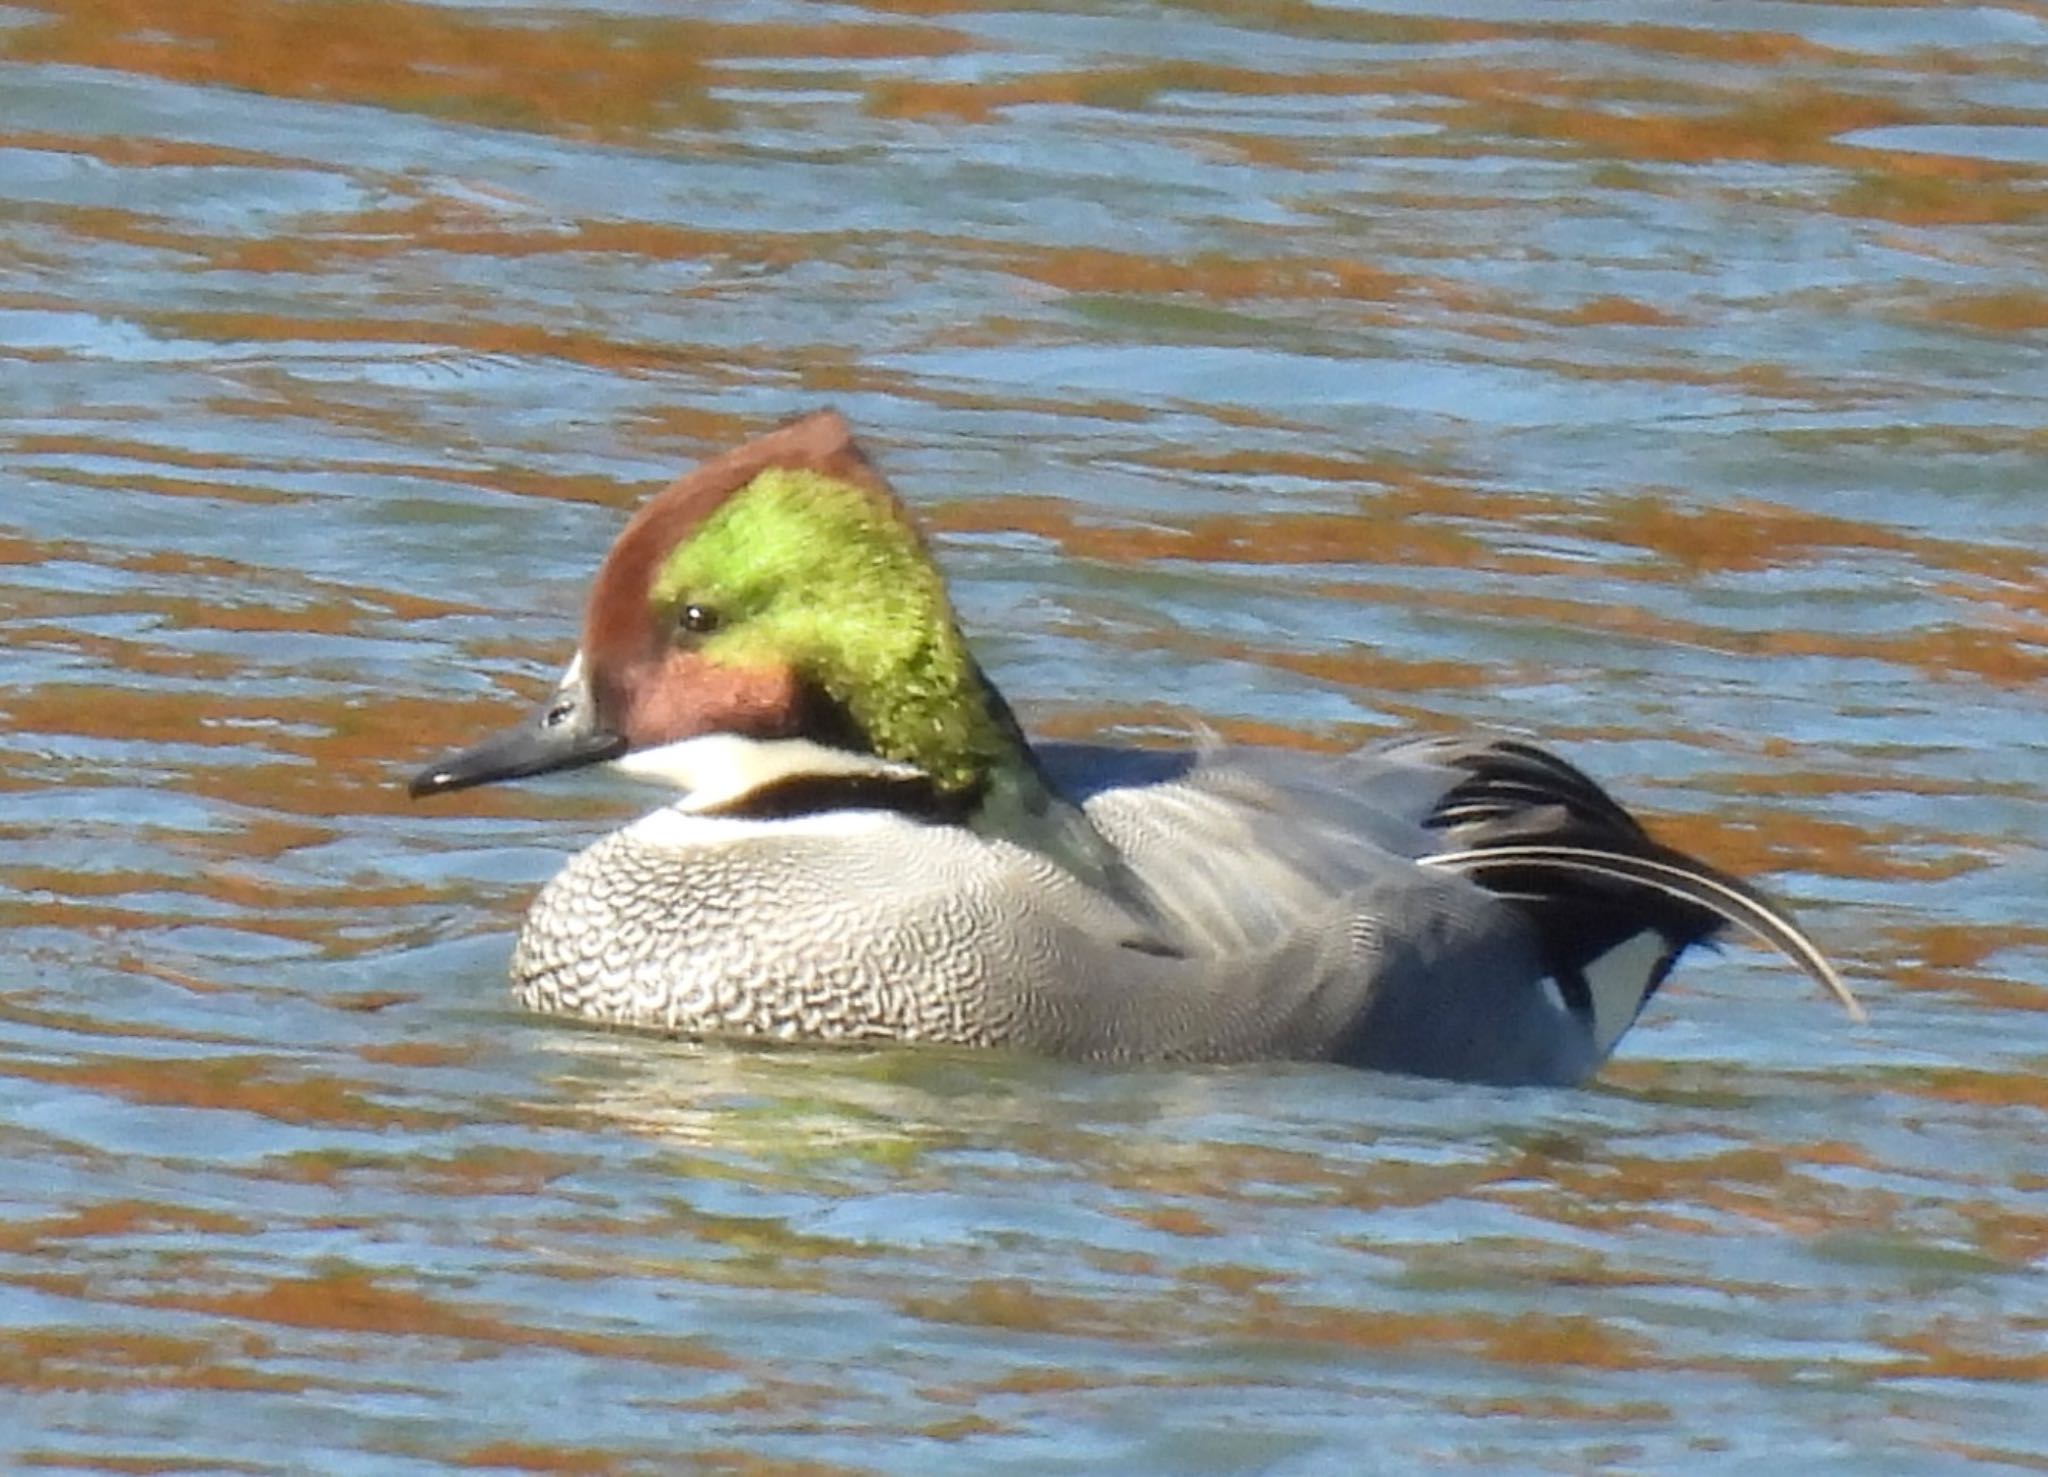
x,y
1668,381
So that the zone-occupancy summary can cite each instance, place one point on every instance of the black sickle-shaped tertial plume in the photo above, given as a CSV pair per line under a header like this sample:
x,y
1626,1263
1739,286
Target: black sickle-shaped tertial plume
x,y
1529,826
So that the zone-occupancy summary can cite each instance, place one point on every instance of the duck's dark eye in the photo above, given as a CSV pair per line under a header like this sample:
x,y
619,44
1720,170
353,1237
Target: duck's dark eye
x,y
696,619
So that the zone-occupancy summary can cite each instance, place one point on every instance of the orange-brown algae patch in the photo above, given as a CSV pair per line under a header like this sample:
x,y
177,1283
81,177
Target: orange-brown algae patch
x,y
1264,151
97,223
1739,537
1018,1306
1312,538
17,550
1779,840
128,151
182,979
162,486
1524,611
1795,780
866,40
1794,125
1045,1379
41,1359
1362,669
925,7
1940,652
695,425
1244,418
1306,466
1992,1457
762,1237
490,1172
962,1428
1924,190
142,1466
1557,1203
1136,87
236,1084
1953,959
196,715
1967,946
478,336
561,1461
143,658
1939,1352
1632,1191
1570,1340
1220,1171
1095,269
576,78
1173,1220
28,1008
2020,612
310,932
416,1053
1528,1264
1801,1208
2012,311
2015,1237
300,594
1125,1266
119,1218
268,837
1838,1153
371,1002
1983,1088
324,1167
1738,47
766,1395
733,1461
1615,311
71,443
356,747
350,1300
258,895
1233,1279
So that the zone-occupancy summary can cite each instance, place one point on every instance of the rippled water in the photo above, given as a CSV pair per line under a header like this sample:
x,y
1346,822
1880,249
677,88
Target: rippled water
x,y
1668,380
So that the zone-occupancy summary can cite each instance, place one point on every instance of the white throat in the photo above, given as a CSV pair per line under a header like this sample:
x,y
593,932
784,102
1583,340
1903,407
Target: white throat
x,y
716,769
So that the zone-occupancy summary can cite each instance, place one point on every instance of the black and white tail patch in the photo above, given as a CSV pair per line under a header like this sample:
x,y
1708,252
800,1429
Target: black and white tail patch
x,y
1612,907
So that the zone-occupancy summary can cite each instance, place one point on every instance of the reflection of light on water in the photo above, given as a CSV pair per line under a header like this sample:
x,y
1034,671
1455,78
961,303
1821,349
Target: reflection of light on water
x,y
1661,380
786,1104
799,1104
1997,143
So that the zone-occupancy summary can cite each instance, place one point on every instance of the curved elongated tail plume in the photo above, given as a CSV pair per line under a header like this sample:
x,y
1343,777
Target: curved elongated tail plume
x,y
1682,879
1613,907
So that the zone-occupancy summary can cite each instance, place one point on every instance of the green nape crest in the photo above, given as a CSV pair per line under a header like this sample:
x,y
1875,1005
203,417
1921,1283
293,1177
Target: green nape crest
x,y
805,570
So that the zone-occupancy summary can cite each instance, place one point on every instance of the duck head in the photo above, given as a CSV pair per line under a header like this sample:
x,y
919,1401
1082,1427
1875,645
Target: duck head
x,y
772,624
